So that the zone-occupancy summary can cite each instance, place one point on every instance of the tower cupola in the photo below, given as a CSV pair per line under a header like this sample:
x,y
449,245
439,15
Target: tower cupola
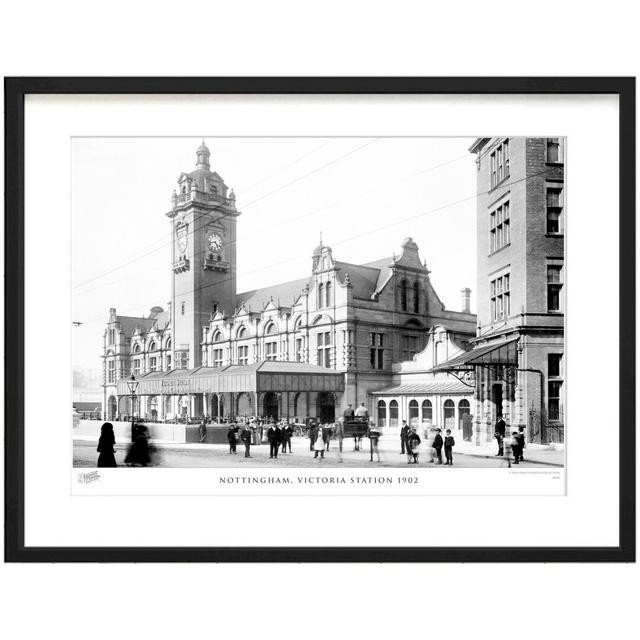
x,y
202,156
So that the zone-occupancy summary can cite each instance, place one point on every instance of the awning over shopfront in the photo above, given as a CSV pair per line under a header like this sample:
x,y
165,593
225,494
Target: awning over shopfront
x,y
502,353
261,376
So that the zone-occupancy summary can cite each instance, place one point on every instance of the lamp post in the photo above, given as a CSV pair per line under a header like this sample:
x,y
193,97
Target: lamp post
x,y
132,383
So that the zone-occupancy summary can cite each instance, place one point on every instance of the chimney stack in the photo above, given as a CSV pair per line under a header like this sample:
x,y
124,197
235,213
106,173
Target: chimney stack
x,y
466,300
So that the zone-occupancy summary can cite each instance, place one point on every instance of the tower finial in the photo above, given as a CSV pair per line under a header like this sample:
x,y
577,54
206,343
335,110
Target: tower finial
x,y
202,156
321,238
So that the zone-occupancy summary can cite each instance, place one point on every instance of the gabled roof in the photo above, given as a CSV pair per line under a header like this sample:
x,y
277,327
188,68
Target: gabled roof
x,y
284,294
128,324
426,388
363,278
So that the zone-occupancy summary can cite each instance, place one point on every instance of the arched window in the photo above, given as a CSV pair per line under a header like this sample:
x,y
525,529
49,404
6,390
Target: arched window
x,y
403,295
136,348
320,295
449,414
269,329
217,336
152,346
427,411
168,344
393,413
328,295
382,413
413,411
416,297
242,333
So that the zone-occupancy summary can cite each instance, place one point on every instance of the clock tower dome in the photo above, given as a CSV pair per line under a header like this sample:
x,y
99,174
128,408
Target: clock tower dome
x,y
203,253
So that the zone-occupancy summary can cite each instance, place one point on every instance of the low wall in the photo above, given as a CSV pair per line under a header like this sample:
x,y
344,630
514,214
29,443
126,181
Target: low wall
x,y
122,431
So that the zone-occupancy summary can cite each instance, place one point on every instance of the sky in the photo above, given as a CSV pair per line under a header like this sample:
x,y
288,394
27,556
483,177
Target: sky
x,y
365,195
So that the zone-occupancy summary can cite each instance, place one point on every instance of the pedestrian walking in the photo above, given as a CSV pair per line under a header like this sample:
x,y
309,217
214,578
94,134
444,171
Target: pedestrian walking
x,y
232,438
313,434
404,434
273,435
318,445
139,454
106,446
437,445
515,447
413,445
327,432
449,443
521,443
245,436
374,436
501,430
203,430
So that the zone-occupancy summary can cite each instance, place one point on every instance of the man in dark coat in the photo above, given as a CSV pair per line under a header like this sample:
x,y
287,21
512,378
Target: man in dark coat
x,y
348,413
232,436
404,434
438,442
521,443
245,436
273,435
313,434
287,433
501,430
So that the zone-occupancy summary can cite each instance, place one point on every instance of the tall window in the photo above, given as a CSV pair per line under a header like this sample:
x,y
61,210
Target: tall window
x,y
554,384
153,364
500,163
217,358
416,297
413,411
182,359
499,228
136,367
243,354
427,411
299,351
382,413
323,342
393,413
554,209
554,287
320,295
328,294
168,362
410,345
111,371
554,150
500,298
112,336
271,351
403,295
376,350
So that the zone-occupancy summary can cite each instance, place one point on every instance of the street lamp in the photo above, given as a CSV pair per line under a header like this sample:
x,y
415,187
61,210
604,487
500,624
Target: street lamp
x,y
132,383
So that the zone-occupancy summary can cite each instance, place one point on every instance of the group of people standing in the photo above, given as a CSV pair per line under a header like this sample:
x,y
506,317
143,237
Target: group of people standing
x,y
410,444
516,441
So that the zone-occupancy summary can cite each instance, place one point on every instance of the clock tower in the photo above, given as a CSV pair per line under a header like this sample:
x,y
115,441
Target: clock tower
x,y
203,240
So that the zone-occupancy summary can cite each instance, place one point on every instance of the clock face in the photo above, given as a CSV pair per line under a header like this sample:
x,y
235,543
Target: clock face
x,y
214,240
182,243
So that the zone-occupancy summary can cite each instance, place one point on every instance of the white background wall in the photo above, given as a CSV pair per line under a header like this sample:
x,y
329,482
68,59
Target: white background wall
x,y
331,38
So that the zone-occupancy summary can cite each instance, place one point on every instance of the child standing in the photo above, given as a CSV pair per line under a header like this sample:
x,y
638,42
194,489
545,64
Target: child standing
x,y
449,443
515,447
413,442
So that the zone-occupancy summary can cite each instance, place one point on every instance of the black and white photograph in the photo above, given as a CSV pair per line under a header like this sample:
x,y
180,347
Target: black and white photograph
x,y
319,303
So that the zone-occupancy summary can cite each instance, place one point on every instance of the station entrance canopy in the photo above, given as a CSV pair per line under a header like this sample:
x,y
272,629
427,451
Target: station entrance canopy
x,y
503,353
259,377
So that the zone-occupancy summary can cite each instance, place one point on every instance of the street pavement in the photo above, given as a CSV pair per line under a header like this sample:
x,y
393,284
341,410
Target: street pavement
x,y
217,456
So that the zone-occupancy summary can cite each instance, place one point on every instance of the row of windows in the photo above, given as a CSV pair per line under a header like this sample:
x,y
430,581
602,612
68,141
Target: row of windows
x,y
500,164
324,295
500,298
419,413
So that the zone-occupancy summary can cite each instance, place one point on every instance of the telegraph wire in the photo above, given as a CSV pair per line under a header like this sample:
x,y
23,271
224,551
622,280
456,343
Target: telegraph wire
x,y
360,235
218,207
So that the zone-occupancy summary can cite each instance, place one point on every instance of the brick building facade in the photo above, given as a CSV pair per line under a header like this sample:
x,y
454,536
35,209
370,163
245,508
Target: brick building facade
x,y
358,319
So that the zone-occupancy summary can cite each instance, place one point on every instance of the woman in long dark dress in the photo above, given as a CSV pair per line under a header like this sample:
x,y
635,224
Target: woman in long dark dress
x,y
106,445
139,454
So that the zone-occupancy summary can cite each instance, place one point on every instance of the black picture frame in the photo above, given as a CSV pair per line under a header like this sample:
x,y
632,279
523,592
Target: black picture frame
x,y
15,91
